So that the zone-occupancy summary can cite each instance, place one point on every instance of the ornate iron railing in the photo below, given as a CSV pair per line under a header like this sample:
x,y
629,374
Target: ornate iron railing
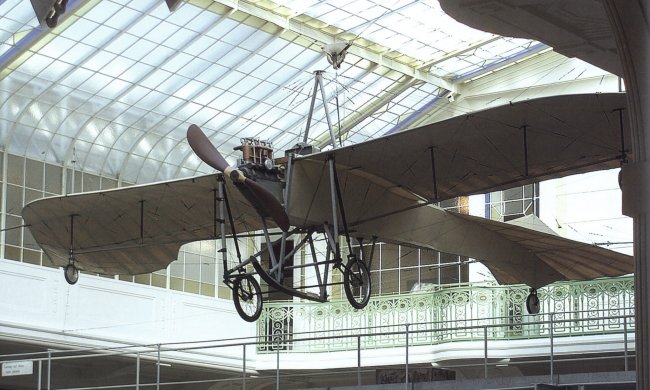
x,y
451,314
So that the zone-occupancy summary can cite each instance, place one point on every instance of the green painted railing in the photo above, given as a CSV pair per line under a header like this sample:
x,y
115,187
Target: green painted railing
x,y
450,314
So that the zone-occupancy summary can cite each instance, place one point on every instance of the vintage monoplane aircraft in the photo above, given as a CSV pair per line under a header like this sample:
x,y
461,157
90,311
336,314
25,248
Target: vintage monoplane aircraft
x,y
384,190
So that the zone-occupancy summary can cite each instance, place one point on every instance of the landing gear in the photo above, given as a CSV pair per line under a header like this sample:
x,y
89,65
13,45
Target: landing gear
x,y
356,282
532,302
71,274
247,296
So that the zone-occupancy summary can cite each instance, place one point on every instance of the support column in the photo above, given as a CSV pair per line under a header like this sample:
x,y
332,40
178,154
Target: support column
x,y
629,22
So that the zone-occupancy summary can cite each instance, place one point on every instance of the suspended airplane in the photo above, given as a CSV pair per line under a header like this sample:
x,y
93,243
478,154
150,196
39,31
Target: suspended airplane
x,y
351,198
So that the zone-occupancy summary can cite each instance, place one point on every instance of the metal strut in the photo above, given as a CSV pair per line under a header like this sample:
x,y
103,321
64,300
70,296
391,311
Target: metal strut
x,y
318,82
222,223
433,174
233,230
620,125
339,198
71,254
525,128
142,222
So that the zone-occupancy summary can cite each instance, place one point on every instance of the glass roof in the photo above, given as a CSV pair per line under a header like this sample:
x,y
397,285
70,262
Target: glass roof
x,y
115,85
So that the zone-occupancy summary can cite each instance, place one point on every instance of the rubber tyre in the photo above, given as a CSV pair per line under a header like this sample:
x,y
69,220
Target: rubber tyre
x,y
71,274
356,283
532,303
247,296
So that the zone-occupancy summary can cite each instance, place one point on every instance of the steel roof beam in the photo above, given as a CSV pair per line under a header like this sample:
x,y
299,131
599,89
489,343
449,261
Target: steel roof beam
x,y
318,35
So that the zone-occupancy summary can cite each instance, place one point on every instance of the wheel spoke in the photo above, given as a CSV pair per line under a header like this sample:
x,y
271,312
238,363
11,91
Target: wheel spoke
x,y
247,296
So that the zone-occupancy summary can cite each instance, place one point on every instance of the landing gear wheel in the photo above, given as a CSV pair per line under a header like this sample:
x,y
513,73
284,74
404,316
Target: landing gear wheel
x,y
356,283
71,274
532,302
247,296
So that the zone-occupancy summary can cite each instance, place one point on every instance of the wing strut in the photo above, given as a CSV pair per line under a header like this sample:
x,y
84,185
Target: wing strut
x,y
142,222
433,174
318,82
525,128
339,198
71,272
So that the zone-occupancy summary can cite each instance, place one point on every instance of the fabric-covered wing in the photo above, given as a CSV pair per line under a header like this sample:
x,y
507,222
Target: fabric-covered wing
x,y
375,207
576,28
499,148
132,230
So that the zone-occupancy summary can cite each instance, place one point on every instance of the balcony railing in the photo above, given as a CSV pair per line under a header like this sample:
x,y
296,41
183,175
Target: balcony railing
x,y
601,306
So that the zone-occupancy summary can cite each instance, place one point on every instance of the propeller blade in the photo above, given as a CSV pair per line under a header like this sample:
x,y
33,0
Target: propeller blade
x,y
203,148
269,203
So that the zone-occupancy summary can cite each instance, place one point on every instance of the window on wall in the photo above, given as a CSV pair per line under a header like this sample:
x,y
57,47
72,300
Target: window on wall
x,y
513,203
198,269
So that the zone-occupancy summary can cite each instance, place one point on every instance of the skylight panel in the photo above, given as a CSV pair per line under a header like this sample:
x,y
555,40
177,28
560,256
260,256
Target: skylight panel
x,y
145,144
121,43
238,34
233,57
76,78
200,23
40,140
130,116
152,99
252,64
134,95
114,89
52,121
36,64
187,110
169,105
202,115
272,48
158,55
296,55
189,90
95,157
160,32
177,62
132,167
91,107
240,83
104,11
10,108
207,96
82,28
177,154
99,60
223,27
181,15
117,66
319,9
107,135
241,105
161,148
121,20
139,48
288,119
72,98
56,47
245,128
77,53
155,78
199,45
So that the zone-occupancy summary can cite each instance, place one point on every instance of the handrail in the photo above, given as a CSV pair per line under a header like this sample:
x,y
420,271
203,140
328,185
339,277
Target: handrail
x,y
455,309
